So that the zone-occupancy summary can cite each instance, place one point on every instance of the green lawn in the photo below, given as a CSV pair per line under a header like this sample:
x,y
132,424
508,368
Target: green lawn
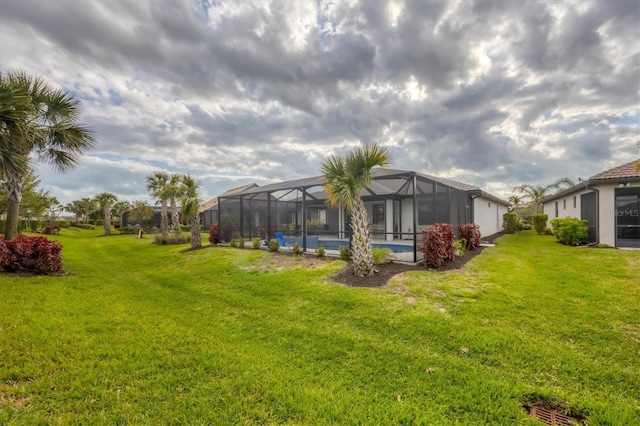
x,y
144,334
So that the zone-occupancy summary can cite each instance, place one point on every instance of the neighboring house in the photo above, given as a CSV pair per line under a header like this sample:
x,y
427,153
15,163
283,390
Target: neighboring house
x,y
399,203
209,210
609,201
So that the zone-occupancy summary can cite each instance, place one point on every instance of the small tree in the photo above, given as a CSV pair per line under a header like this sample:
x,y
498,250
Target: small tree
x,y
510,222
140,212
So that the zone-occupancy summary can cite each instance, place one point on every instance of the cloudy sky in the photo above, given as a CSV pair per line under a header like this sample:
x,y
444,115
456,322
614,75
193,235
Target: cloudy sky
x,y
490,92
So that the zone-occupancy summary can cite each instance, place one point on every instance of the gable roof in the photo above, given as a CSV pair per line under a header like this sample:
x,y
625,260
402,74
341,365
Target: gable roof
x,y
214,201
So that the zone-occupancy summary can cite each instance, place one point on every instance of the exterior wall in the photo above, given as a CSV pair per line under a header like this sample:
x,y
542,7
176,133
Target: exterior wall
x,y
407,218
606,214
570,211
487,215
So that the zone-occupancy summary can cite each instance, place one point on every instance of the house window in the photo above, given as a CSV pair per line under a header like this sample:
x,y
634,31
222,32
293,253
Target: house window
x,y
556,209
564,204
489,205
574,202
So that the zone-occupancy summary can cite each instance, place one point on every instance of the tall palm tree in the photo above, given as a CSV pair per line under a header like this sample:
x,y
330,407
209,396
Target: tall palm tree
x,y
174,192
45,126
345,179
157,185
190,203
106,200
537,193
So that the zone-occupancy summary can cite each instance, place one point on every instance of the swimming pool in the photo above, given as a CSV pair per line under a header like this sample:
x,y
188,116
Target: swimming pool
x,y
313,242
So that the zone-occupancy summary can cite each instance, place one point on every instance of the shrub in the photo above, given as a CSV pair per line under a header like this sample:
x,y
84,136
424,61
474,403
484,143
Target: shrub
x,y
240,243
460,247
470,234
214,234
185,228
172,239
274,245
233,243
99,222
320,251
31,254
526,226
255,243
380,255
129,230
51,230
345,253
510,222
540,222
570,230
548,231
437,244
296,250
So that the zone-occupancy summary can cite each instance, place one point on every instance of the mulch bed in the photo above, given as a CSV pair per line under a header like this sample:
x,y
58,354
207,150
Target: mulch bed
x,y
388,270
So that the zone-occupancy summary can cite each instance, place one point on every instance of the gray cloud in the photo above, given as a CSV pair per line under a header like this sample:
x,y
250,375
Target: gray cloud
x,y
492,92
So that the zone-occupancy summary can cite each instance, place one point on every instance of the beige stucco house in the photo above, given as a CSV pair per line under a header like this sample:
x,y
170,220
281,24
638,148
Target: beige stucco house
x,y
609,201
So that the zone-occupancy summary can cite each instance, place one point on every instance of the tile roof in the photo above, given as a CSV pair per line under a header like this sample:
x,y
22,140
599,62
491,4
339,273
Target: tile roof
x,y
628,170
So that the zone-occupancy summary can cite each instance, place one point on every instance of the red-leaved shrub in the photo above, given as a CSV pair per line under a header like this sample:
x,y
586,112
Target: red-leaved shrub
x,y
51,230
214,234
437,244
32,254
470,233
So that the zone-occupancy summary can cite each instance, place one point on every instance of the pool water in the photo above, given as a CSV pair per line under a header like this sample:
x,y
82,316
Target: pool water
x,y
336,244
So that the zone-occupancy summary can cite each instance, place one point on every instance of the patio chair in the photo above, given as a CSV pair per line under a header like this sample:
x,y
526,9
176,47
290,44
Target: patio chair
x,y
280,239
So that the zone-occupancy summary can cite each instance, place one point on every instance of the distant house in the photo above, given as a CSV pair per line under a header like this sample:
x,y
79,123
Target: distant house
x,y
609,201
209,210
399,203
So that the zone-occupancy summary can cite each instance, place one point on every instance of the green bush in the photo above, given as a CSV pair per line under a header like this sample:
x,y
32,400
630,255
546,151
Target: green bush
x,y
380,255
255,243
526,226
274,245
570,230
510,222
320,251
296,250
460,247
548,231
240,243
345,253
540,222
99,222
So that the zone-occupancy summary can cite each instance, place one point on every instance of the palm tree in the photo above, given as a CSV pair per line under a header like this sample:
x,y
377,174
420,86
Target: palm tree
x,y
174,192
157,183
190,204
537,193
105,201
44,126
345,179
120,207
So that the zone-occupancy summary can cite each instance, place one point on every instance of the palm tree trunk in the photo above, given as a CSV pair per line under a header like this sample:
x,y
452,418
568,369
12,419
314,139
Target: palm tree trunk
x,y
163,218
175,216
107,219
362,255
196,237
14,186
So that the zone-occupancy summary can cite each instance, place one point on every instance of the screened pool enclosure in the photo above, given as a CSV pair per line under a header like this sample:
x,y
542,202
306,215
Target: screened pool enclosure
x,y
399,204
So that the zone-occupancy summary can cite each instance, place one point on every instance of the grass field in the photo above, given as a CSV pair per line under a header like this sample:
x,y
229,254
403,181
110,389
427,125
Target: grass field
x,y
145,334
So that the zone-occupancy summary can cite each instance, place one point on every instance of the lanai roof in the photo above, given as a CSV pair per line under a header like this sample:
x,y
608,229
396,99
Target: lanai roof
x,y
386,182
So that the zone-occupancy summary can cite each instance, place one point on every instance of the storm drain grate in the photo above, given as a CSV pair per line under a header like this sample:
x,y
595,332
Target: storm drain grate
x,y
553,417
